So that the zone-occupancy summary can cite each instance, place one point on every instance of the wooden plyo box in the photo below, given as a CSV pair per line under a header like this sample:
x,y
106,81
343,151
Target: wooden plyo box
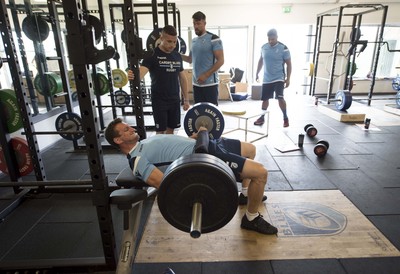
x,y
349,116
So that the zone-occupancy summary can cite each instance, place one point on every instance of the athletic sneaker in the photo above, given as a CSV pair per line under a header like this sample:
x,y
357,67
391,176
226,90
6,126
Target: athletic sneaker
x,y
243,199
260,121
258,224
285,122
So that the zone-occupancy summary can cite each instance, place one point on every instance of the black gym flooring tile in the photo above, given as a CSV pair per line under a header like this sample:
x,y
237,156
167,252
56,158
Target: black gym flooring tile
x,y
325,266
372,265
302,174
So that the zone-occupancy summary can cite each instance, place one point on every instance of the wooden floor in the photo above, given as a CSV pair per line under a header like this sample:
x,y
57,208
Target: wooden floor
x,y
312,225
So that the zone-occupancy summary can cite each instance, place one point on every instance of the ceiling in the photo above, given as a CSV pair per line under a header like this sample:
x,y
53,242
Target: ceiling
x,y
250,2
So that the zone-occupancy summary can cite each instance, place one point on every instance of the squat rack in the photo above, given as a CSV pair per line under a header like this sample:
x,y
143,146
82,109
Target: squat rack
x,y
360,10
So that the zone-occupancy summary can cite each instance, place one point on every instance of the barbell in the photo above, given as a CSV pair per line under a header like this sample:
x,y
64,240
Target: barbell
x,y
198,193
344,98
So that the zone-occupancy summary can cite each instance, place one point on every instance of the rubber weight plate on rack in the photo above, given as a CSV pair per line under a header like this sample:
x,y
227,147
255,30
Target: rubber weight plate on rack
x,y
54,81
343,100
97,26
69,121
10,108
120,79
71,79
206,115
104,85
154,39
24,160
35,28
121,98
182,45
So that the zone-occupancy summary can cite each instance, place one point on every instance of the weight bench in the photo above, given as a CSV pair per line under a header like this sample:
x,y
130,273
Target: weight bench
x,y
129,199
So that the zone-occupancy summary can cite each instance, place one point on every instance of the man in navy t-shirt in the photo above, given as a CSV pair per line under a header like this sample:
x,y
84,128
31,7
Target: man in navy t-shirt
x,y
167,80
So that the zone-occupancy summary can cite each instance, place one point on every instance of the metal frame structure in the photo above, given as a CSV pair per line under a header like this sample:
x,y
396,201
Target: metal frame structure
x,y
361,9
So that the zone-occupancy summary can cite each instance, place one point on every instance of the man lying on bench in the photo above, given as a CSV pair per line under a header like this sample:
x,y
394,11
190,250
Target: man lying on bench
x,y
162,149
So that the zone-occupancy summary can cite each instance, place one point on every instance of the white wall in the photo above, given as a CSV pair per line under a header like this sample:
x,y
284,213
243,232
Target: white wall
x,y
262,14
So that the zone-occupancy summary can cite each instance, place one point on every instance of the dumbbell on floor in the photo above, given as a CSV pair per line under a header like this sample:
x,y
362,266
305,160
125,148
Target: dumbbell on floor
x,y
310,130
321,148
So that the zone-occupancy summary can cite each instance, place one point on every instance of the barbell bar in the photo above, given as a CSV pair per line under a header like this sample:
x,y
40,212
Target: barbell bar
x,y
344,98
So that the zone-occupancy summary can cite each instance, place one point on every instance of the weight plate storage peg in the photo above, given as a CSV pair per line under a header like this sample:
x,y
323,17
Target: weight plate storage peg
x,y
198,179
121,98
204,115
343,100
120,79
321,148
310,130
72,122
24,160
9,106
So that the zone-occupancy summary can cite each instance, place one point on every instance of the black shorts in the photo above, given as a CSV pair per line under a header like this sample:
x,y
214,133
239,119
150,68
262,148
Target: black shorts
x,y
269,89
206,94
228,150
166,115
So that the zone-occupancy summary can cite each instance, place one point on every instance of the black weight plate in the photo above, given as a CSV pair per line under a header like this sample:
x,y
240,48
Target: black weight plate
x,y
207,115
74,96
344,100
121,98
123,36
153,40
97,26
198,178
69,121
181,45
35,28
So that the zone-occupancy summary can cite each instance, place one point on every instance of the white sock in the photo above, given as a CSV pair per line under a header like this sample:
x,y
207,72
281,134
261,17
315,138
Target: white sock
x,y
251,216
244,191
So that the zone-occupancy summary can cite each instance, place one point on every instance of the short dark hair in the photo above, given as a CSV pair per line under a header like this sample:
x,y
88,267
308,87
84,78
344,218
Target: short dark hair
x,y
170,30
199,16
110,133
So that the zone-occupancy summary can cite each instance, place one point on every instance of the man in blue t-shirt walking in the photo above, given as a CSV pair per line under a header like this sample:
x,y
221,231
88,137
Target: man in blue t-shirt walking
x,y
274,56
207,56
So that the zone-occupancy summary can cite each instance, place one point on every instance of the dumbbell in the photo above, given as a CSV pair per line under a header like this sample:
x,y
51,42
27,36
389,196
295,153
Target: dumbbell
x,y
321,148
310,130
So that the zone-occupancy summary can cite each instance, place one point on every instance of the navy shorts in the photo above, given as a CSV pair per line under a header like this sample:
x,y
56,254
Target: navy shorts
x,y
207,94
269,89
228,150
166,115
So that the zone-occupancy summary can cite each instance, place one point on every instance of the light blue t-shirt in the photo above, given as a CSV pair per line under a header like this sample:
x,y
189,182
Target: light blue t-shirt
x,y
203,59
158,150
274,62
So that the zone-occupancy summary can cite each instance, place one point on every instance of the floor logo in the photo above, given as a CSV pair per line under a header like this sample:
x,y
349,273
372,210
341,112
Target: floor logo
x,y
306,219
